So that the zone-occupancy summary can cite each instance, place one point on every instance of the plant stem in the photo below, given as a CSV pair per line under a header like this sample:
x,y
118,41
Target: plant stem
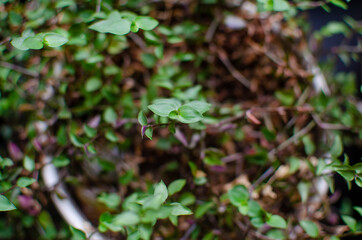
x,y
290,140
19,69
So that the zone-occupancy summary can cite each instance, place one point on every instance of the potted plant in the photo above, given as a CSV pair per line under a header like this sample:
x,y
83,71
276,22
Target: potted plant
x,y
171,120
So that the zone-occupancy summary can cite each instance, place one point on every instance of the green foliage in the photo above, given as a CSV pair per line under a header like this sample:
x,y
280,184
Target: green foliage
x,y
141,211
61,161
97,80
310,228
111,200
121,23
276,221
350,221
77,234
5,204
39,40
239,197
29,164
176,186
25,181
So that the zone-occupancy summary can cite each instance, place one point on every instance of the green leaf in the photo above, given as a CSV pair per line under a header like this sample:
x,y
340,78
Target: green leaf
x,y
145,231
109,115
244,208
64,3
76,141
111,136
310,228
188,114
25,181
149,60
134,27
348,174
146,23
303,189
259,158
34,42
142,119
172,128
199,106
269,135
158,51
187,199
61,161
152,37
285,97
5,204
161,189
152,202
357,167
77,234
116,26
149,132
91,149
127,218
337,147
255,209
276,221
6,162
163,107
350,221
29,164
330,182
358,209
15,18
176,186
111,200
184,57
93,84
90,132
19,43
294,164
238,195
178,209
309,146
54,40
276,234
202,209
62,135
280,5
339,3
257,222
334,27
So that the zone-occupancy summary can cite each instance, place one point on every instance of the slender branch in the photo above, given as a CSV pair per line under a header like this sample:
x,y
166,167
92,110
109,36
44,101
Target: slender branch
x,y
98,8
349,234
290,140
11,188
5,40
211,30
188,232
264,176
19,69
235,73
227,120
328,125
159,125
232,157
262,109
349,49
138,41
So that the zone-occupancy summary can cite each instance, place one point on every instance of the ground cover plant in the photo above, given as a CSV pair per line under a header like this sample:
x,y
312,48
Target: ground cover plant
x,y
176,120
